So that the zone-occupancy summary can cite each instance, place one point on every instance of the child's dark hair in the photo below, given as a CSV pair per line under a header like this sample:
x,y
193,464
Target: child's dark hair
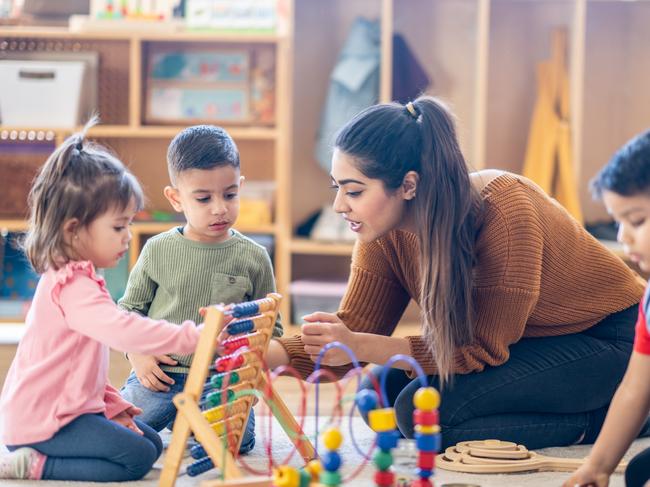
x,y
387,141
79,180
628,171
201,147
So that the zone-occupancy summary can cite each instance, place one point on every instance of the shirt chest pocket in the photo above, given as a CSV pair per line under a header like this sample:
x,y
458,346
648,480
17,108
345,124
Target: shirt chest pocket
x,y
226,289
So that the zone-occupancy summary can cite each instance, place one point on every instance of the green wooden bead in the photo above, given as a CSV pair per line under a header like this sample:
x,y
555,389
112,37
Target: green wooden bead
x,y
383,460
305,478
331,479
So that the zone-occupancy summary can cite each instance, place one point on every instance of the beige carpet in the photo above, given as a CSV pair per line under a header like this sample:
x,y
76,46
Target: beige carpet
x,y
281,447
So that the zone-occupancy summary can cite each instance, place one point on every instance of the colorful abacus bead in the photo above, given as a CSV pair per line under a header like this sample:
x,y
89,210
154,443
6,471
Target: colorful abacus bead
x,y
331,460
239,327
199,467
427,433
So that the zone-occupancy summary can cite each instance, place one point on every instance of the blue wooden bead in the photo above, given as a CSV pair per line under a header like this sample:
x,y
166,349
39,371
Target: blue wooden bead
x,y
424,473
331,461
200,466
427,443
366,400
198,452
387,440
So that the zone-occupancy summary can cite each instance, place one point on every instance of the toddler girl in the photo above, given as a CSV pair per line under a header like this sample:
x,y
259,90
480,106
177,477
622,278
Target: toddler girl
x,y
61,419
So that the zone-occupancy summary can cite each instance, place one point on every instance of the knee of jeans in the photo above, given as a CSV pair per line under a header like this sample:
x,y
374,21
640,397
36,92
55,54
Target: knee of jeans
x,y
143,462
156,441
404,414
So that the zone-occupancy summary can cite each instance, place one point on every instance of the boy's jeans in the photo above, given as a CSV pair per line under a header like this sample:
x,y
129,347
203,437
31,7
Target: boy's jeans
x,y
159,410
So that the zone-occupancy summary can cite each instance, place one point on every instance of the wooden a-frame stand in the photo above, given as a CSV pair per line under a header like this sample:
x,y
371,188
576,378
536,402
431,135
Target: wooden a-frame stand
x,y
190,418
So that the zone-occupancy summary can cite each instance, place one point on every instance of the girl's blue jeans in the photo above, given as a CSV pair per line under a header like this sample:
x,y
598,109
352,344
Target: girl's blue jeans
x,y
552,391
159,411
94,449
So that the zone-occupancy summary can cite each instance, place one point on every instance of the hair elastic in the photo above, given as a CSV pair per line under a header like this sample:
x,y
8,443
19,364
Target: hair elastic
x,y
412,110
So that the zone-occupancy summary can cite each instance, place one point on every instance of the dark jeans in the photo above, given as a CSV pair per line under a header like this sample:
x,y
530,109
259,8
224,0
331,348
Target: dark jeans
x,y
637,472
552,391
93,449
159,411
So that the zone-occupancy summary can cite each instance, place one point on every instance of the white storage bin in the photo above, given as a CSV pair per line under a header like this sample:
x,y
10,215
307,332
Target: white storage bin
x,y
41,93
308,296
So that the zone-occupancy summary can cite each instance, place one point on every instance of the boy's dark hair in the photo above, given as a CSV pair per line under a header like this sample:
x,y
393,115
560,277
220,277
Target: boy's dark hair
x,y
201,147
628,171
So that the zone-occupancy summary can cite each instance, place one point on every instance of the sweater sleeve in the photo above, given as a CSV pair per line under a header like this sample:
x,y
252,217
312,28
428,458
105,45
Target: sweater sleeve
x,y
115,404
374,302
506,288
90,311
140,288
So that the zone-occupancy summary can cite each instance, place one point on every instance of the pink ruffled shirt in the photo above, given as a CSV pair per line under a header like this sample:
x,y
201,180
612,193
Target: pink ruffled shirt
x,y
61,366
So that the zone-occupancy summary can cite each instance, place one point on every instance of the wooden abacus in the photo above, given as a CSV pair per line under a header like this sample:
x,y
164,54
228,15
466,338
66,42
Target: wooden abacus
x,y
229,415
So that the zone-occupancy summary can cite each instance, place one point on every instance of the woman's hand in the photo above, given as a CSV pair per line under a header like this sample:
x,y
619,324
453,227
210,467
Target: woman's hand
x,y
125,418
149,372
587,476
323,328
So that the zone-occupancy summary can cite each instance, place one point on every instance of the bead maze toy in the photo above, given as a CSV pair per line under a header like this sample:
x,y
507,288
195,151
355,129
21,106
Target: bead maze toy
x,y
241,375
495,456
217,416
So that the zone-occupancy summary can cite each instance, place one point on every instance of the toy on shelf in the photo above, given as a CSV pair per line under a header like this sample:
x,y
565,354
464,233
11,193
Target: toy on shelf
x,y
158,10
228,400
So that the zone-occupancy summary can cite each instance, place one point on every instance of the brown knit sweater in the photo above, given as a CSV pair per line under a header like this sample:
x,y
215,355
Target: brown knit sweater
x,y
538,273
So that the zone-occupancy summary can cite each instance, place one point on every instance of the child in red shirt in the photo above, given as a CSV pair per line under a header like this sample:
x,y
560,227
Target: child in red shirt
x,y
624,186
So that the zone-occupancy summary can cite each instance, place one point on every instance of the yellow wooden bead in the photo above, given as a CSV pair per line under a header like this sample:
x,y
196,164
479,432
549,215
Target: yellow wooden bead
x,y
426,399
332,439
382,420
427,430
286,476
314,467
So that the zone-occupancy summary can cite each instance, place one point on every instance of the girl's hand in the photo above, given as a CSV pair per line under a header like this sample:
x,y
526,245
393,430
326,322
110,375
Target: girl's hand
x,y
223,334
125,418
587,476
323,328
149,373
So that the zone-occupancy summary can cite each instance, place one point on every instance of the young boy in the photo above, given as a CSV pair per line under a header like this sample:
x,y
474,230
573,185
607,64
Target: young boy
x,y
203,262
624,185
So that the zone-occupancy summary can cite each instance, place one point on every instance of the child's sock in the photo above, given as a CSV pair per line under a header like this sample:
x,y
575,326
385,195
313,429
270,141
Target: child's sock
x,y
23,463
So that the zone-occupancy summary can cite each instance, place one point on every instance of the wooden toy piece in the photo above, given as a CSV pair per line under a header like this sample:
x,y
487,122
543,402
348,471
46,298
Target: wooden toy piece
x,y
495,456
228,419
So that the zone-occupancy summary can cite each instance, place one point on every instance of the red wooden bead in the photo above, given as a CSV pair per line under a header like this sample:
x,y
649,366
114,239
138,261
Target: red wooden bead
x,y
425,418
421,483
384,478
426,460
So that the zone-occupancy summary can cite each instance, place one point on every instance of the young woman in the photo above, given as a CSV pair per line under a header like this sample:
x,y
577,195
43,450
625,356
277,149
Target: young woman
x,y
527,321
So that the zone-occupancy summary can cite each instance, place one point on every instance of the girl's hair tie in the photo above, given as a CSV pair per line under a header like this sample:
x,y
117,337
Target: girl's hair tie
x,y
412,110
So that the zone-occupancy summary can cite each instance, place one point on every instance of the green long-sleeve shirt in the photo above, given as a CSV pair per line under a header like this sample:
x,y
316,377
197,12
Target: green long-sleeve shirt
x,y
175,276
